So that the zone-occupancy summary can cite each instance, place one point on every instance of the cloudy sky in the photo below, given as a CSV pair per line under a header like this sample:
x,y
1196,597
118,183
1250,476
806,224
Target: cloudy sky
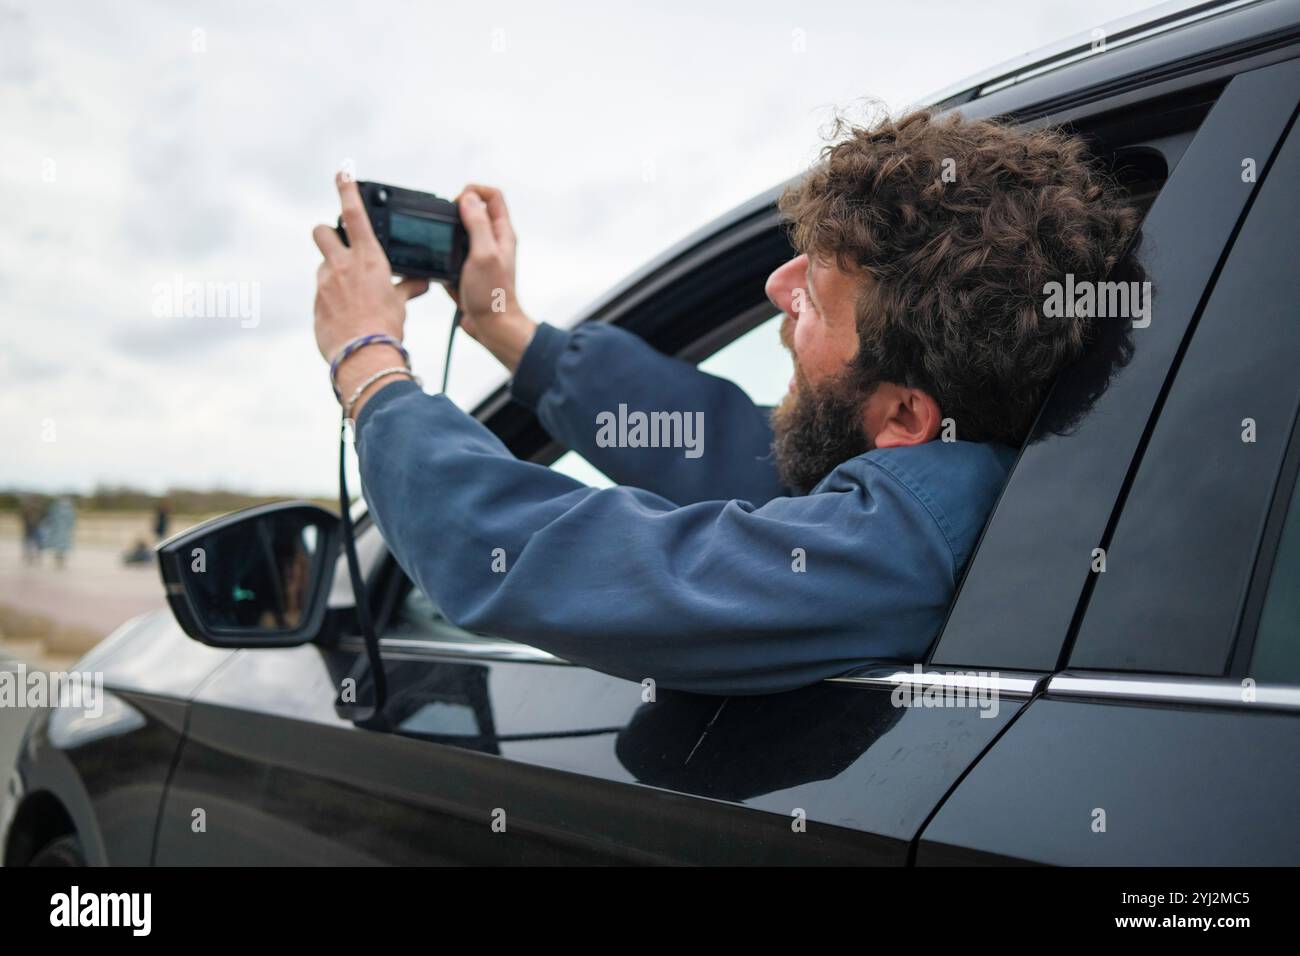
x,y
150,144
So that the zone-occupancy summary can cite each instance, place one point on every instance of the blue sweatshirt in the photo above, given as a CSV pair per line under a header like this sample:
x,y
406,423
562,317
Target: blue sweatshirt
x,y
702,573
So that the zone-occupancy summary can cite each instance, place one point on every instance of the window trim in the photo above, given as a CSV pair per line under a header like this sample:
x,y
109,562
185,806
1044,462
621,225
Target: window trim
x,y
1222,692
1019,685
420,649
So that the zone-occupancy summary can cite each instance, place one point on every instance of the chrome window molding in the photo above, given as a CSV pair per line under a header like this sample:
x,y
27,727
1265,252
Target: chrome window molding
x,y
414,648
1011,684
1159,688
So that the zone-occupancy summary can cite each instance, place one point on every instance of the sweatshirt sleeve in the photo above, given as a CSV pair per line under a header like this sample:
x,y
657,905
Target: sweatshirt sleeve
x,y
720,597
590,386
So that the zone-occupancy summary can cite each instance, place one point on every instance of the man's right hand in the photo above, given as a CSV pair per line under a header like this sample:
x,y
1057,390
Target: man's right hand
x,y
490,311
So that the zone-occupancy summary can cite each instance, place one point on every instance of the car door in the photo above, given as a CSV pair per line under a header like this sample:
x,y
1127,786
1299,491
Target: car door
x,y
1173,734
503,754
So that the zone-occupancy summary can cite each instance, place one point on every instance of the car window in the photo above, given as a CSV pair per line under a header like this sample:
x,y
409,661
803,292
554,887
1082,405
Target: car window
x,y
1170,595
577,467
418,617
1276,656
755,361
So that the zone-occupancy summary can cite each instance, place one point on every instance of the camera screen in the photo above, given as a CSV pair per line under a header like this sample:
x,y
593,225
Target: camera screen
x,y
418,243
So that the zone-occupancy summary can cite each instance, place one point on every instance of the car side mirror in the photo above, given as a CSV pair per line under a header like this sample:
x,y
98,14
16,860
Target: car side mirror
x,y
255,578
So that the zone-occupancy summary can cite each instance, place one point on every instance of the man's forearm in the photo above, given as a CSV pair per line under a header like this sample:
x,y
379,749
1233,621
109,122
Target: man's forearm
x,y
573,379
505,335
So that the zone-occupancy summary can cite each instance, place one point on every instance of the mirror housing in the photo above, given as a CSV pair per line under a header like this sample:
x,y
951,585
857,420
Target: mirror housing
x,y
254,578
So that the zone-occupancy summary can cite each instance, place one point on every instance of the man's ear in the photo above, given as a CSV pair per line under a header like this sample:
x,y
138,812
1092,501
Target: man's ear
x,y
896,415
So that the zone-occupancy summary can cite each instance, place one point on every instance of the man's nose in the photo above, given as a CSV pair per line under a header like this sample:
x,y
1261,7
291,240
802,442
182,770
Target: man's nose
x,y
782,283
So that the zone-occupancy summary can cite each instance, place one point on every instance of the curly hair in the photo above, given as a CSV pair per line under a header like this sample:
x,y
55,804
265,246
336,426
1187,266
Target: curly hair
x,y
961,224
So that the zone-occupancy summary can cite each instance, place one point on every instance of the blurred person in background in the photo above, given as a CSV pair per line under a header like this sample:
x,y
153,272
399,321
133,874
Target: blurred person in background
x,y
162,518
31,513
58,527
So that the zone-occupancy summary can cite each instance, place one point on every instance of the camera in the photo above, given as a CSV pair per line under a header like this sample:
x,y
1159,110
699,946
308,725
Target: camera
x,y
421,234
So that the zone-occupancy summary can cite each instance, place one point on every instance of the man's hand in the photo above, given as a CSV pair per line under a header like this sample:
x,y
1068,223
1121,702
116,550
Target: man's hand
x,y
491,313
355,294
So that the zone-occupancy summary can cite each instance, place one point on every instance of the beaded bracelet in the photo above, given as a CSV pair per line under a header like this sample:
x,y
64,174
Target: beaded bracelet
x,y
382,373
360,342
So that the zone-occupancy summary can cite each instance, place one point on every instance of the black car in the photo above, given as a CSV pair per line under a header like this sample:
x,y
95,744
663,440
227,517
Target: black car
x,y
1128,630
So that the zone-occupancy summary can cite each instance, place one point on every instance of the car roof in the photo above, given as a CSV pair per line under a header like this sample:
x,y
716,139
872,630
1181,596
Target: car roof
x,y
1153,21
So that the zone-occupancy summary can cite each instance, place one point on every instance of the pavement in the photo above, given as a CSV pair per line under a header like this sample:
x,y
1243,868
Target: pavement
x,y
87,598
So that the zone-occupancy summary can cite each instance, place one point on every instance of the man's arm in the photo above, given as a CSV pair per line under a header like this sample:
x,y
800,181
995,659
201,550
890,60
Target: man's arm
x,y
585,384
720,442
709,597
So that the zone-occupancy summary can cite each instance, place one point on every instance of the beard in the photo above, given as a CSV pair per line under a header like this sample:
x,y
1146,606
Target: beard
x,y
817,429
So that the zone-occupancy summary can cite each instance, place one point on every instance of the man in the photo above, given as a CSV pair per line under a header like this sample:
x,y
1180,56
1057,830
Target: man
x,y
32,515
799,545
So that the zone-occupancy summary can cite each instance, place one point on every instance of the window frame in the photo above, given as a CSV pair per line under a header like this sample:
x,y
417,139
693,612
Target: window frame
x,y
1206,649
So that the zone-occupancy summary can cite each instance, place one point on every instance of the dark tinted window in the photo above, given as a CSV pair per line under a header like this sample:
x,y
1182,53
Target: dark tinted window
x,y
1276,658
1180,562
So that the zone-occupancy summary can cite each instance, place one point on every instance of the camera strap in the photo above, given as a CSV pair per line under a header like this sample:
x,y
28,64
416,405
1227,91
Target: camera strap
x,y
371,716
446,362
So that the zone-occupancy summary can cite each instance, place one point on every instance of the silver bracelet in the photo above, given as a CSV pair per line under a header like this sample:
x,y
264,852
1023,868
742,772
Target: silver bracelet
x,y
393,370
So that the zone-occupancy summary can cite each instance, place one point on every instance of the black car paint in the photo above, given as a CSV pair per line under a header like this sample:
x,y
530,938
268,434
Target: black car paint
x,y
583,768
586,770
110,777
1178,786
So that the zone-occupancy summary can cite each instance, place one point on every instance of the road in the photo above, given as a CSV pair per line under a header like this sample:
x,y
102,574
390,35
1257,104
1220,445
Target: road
x,y
87,598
